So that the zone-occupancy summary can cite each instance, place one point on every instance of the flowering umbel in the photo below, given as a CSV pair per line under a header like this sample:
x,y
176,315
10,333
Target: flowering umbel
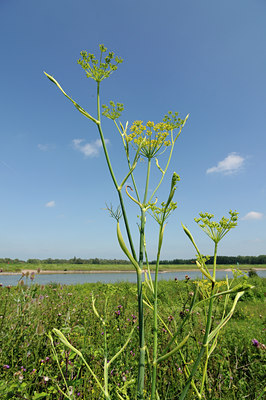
x,y
217,230
101,69
152,138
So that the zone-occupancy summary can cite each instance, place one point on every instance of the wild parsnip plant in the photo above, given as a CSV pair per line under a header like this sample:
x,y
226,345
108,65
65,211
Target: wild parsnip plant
x,y
152,143
216,231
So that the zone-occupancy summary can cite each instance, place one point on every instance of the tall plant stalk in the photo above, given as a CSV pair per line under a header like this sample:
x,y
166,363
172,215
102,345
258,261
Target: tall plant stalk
x,y
216,231
118,189
149,142
204,346
155,325
141,368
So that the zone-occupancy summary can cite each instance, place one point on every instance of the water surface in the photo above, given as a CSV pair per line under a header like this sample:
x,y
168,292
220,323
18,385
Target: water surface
x,y
108,277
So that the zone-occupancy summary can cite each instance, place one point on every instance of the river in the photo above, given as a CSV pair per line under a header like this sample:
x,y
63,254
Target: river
x,y
108,277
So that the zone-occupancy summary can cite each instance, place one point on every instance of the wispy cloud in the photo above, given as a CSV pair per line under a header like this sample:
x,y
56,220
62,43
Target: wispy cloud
x,y
61,216
50,204
45,147
231,164
88,149
6,165
253,215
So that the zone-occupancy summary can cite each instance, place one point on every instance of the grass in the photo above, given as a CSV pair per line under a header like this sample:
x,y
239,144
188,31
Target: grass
x,y
16,268
28,367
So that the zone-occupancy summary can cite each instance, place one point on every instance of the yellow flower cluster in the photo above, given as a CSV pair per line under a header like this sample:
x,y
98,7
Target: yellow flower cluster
x,y
150,137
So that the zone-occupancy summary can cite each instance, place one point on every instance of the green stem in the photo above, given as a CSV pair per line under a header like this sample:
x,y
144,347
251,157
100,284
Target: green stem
x,y
127,225
128,161
214,261
148,268
112,174
179,330
204,372
167,165
208,326
186,372
205,340
143,218
105,355
141,368
58,364
155,320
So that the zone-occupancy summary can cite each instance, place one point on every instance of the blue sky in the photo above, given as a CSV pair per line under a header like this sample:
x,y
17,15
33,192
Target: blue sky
x,y
205,58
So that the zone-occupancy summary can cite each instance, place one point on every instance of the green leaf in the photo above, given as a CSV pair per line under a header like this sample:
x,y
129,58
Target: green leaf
x,y
226,319
178,347
39,395
79,108
125,249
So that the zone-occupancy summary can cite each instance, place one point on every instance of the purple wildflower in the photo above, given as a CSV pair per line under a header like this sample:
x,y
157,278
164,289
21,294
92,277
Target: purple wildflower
x,y
255,342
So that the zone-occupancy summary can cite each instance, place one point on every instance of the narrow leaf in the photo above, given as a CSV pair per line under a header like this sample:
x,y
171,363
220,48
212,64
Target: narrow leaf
x,y
125,249
80,109
226,319
174,350
66,342
122,348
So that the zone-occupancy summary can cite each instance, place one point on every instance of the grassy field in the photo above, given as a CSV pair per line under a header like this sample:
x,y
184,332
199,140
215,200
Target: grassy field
x,y
29,370
109,267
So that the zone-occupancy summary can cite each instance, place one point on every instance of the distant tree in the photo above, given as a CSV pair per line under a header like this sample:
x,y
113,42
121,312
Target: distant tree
x,y
261,259
33,261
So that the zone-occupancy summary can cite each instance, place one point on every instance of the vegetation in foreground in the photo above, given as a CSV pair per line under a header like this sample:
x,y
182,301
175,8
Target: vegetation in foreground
x,y
31,370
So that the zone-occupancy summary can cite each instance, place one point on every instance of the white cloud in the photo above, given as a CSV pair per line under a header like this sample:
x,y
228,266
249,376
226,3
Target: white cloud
x,y
232,163
253,215
88,149
50,204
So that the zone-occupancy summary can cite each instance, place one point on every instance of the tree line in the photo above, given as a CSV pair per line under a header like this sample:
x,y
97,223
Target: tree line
x,y
223,260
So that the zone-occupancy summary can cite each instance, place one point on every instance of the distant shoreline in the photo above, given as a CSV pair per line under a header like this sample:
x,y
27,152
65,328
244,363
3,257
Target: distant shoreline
x,y
55,272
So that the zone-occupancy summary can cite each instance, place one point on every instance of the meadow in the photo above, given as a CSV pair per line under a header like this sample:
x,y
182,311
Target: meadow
x,y
19,267
30,369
